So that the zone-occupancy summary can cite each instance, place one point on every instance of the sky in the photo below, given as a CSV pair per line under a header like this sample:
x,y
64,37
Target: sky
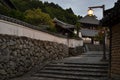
x,y
80,7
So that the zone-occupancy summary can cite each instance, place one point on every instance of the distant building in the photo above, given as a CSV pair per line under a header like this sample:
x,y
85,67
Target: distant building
x,y
64,28
89,28
112,20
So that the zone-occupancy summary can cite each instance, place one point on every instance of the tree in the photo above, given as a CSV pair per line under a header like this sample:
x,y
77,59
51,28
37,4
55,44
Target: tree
x,y
70,11
4,10
78,26
17,14
79,17
21,5
37,17
54,10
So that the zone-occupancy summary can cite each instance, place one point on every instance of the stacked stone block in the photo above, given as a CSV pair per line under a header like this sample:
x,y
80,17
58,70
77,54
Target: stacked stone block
x,y
19,54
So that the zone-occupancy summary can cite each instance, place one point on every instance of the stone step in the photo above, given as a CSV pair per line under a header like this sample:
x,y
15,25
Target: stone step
x,y
37,78
92,47
100,64
78,66
76,69
70,77
74,73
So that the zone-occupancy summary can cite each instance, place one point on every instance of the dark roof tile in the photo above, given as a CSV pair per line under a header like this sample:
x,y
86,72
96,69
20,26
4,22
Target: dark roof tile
x,y
62,24
89,20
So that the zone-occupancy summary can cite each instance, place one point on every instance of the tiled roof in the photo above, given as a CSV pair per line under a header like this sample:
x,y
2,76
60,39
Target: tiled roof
x,y
89,20
62,24
89,32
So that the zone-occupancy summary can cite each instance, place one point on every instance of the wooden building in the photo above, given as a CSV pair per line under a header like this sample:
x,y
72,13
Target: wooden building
x,y
89,28
112,20
64,28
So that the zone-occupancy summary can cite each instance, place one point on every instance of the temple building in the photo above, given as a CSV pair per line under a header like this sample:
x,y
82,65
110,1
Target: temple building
x,y
89,27
112,20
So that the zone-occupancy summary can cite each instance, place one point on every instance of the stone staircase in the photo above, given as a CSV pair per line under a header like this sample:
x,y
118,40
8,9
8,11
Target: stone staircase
x,y
92,47
73,71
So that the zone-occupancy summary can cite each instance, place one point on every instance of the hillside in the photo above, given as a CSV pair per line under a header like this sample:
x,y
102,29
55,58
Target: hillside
x,y
54,10
38,13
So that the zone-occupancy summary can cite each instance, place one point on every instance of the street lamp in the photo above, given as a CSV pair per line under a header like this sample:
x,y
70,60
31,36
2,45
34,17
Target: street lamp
x,y
103,8
90,13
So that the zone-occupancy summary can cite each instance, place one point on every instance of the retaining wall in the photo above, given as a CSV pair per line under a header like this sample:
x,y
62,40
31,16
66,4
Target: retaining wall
x,y
19,54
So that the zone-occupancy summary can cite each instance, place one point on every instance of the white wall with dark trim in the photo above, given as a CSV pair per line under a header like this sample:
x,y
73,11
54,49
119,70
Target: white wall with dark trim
x,y
20,30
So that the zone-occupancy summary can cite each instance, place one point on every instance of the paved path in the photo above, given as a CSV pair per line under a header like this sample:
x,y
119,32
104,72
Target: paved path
x,y
92,57
88,57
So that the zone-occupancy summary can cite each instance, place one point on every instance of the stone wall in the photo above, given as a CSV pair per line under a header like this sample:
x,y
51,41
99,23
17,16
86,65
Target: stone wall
x,y
19,54
115,60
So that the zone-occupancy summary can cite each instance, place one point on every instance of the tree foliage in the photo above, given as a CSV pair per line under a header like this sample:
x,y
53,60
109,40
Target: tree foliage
x,y
37,17
70,11
54,10
77,28
36,12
